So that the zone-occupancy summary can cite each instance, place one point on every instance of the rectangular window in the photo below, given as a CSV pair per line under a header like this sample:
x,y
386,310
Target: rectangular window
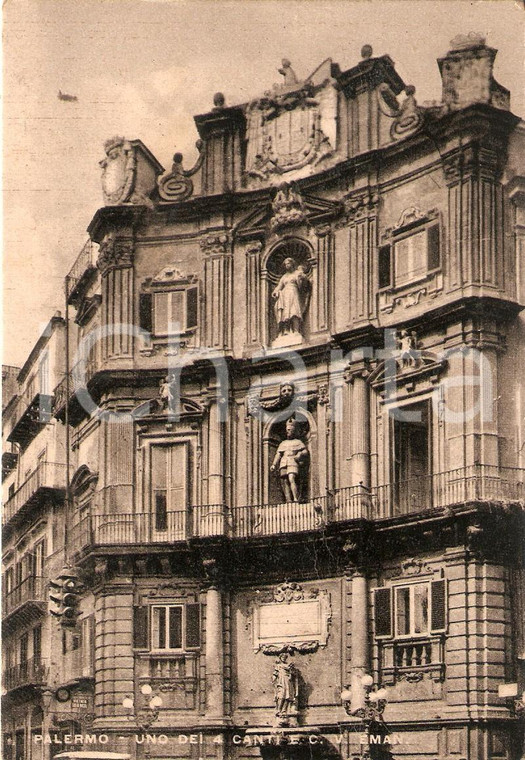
x,y
167,627
88,645
39,559
412,607
37,643
175,627
411,257
385,266
175,308
23,648
419,609
9,580
168,478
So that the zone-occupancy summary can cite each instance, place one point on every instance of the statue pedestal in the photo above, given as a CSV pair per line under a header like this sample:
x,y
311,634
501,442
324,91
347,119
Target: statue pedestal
x,y
287,339
290,720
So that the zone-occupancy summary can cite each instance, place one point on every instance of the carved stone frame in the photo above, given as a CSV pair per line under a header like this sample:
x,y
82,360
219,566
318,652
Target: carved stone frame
x,y
297,642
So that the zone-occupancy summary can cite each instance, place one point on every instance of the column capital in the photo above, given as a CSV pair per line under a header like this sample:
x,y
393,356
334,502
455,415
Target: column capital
x,y
216,577
355,552
357,369
115,253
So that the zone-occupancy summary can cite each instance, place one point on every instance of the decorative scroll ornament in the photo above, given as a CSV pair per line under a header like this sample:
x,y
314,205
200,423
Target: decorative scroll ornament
x,y
359,207
288,592
176,185
415,567
409,117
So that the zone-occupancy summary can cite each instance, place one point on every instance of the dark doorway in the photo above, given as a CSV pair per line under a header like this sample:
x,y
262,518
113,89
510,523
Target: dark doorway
x,y
412,486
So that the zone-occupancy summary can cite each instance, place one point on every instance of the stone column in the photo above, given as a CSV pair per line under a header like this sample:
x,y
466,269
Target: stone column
x,y
355,552
360,642
214,644
360,441
215,451
115,262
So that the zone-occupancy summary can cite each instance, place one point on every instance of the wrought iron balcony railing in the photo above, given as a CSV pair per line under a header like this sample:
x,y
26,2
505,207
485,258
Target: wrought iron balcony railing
x,y
30,673
46,476
30,590
32,411
84,267
469,484
74,384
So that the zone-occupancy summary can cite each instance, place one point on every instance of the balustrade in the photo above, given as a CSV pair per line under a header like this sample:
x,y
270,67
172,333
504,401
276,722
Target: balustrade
x,y
469,484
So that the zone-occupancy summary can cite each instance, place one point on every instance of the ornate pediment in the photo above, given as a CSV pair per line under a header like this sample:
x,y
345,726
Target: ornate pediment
x,y
286,211
160,407
408,366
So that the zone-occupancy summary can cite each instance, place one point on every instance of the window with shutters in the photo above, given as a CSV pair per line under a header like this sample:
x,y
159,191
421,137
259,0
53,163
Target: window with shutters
x,y
410,622
410,251
169,304
411,609
167,627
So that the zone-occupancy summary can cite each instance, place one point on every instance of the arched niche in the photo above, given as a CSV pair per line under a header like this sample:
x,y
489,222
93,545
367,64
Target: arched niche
x,y
274,433
82,487
273,270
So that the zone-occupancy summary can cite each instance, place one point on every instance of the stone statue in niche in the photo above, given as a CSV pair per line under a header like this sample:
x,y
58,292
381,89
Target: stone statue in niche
x,y
291,300
285,682
291,460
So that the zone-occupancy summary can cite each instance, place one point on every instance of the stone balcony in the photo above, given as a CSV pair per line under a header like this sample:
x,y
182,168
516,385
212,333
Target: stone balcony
x,y
475,484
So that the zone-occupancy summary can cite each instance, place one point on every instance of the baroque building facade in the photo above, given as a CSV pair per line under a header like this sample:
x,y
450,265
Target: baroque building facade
x,y
287,444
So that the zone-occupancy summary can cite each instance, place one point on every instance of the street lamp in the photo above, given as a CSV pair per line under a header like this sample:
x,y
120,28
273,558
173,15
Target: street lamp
x,y
144,716
371,713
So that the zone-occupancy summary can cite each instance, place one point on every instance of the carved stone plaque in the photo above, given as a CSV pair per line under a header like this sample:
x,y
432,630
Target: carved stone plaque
x,y
292,622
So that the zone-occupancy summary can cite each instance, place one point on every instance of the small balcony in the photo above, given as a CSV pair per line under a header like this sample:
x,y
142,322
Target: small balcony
x,y
479,483
33,411
82,272
31,592
72,387
29,673
47,477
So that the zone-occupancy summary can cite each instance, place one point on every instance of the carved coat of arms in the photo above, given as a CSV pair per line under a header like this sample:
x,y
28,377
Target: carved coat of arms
x,y
118,171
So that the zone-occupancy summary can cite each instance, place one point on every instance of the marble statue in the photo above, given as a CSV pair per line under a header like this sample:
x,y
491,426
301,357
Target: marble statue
x,y
284,679
290,458
291,299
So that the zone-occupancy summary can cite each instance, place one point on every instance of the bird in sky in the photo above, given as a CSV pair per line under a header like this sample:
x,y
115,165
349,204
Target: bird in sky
x,y
66,97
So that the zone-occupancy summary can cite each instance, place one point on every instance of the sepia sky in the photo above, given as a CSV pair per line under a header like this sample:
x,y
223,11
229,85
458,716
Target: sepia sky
x,y
143,68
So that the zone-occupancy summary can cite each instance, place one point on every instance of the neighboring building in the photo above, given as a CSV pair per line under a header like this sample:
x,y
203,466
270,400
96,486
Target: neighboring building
x,y
34,475
337,487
